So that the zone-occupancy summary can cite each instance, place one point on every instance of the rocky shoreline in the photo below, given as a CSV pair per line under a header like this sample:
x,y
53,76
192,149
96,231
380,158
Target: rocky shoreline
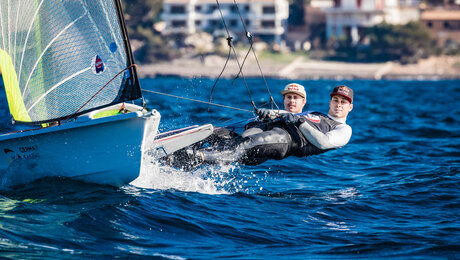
x,y
433,68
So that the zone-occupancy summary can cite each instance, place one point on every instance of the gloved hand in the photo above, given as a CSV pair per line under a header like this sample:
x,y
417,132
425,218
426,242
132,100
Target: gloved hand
x,y
288,118
263,112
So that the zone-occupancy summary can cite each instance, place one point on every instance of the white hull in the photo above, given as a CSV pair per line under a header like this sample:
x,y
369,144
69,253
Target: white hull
x,y
167,145
106,150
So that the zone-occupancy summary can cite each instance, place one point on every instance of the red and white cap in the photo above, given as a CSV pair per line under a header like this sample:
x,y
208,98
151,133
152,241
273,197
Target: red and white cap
x,y
294,88
343,91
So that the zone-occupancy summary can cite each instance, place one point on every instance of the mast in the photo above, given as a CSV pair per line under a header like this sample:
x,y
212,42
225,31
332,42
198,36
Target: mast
x,y
127,44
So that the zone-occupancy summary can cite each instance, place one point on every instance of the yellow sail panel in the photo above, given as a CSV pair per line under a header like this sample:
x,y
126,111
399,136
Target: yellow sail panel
x,y
13,93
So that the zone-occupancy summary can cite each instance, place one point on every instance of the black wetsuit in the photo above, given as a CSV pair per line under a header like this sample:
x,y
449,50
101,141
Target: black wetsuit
x,y
265,140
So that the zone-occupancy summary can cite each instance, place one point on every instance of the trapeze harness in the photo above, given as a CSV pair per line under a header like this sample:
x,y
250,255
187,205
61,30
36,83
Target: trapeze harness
x,y
266,140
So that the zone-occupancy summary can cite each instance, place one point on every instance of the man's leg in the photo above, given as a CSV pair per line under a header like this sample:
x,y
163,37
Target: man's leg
x,y
188,158
251,150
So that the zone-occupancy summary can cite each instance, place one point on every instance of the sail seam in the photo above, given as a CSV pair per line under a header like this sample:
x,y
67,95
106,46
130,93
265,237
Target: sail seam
x,y
8,27
44,51
90,17
26,40
112,32
16,33
1,24
57,85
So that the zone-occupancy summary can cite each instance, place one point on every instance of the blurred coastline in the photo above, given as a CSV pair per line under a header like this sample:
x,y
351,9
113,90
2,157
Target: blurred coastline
x,y
433,68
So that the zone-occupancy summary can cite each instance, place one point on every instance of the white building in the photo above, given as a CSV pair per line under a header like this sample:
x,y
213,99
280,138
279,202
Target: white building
x,y
266,19
350,17
322,4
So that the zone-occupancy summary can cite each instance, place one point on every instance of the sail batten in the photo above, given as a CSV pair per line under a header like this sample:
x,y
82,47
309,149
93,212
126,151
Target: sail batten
x,y
44,51
55,86
61,53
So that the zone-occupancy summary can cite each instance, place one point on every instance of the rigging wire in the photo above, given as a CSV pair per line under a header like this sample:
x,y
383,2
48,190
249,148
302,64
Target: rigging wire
x,y
99,91
250,39
240,70
196,100
229,42
236,56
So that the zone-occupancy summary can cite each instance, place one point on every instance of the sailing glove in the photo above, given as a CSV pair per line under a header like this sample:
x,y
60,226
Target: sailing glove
x,y
263,112
292,119
288,118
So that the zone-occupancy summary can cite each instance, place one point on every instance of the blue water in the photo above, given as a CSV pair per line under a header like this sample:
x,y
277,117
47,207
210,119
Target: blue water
x,y
393,191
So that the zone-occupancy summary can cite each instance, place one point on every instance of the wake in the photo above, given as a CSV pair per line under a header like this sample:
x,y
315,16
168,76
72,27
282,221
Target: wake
x,y
206,179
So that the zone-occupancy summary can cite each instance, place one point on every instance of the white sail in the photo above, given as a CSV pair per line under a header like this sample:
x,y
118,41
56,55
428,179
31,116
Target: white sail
x,y
59,54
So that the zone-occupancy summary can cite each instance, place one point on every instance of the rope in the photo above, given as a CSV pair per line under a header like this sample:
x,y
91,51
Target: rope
x,y
99,91
239,122
195,100
244,60
236,56
249,36
229,42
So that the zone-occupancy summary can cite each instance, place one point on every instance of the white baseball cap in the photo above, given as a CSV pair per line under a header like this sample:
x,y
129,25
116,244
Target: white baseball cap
x,y
294,88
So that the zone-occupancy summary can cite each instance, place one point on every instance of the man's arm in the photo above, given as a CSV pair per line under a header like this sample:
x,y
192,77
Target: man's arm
x,y
332,139
270,113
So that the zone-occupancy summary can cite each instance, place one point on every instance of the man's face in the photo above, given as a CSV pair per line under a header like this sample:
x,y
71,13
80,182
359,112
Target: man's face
x,y
293,103
339,106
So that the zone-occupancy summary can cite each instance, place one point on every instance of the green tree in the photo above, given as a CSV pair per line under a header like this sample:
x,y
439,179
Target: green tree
x,y
406,43
296,11
140,17
141,12
439,2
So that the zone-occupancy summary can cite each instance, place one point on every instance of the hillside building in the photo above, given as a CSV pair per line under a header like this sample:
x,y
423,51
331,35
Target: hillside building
x,y
444,25
265,18
348,18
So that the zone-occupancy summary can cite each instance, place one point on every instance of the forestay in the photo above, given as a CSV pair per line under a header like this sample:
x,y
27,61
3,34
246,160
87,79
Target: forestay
x,y
56,55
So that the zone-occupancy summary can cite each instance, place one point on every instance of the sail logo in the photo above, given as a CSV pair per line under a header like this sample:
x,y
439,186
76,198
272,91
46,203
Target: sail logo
x,y
97,65
113,47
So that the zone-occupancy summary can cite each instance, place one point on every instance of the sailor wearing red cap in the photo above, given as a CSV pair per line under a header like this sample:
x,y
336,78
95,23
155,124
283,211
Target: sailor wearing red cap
x,y
287,132
331,131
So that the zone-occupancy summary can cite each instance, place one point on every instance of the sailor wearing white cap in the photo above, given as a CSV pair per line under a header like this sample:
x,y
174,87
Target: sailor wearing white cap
x,y
291,133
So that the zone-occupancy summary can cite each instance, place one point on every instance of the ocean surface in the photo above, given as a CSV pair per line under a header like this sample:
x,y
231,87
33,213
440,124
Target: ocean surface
x,y
392,192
